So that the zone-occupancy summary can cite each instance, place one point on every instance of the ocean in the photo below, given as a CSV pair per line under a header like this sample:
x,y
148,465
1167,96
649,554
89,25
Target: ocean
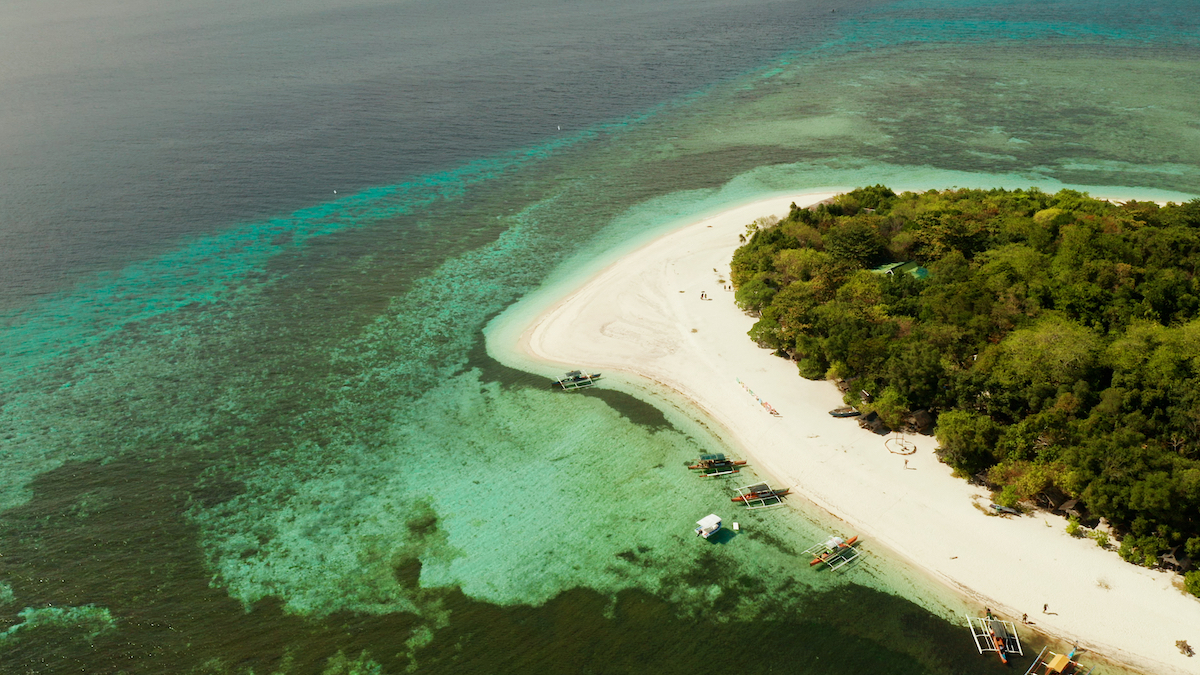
x,y
249,420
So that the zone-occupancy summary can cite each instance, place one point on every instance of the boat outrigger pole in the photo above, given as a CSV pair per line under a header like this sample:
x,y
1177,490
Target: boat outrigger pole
x,y
1055,664
834,552
993,635
760,496
577,379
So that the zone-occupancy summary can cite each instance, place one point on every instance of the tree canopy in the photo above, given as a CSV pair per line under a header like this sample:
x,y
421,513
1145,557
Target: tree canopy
x,y
1056,337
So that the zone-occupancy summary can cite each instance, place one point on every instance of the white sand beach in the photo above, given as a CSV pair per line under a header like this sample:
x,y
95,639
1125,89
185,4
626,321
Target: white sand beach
x,y
644,316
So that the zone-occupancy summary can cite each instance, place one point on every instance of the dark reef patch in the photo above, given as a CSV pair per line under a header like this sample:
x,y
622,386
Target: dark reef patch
x,y
133,552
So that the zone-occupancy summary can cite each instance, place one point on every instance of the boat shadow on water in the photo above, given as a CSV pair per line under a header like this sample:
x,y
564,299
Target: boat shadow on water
x,y
722,536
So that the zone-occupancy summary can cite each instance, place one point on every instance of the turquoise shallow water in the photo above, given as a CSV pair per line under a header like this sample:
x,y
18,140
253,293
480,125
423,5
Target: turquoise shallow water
x,y
282,446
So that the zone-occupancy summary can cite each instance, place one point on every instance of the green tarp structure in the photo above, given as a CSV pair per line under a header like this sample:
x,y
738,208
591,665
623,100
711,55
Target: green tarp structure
x,y
910,267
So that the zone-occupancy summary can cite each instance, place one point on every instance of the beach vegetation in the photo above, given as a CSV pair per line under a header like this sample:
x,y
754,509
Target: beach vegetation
x,y
871,198
891,407
1054,337
1073,527
855,242
966,440
760,224
755,295
810,368
1007,497
1191,582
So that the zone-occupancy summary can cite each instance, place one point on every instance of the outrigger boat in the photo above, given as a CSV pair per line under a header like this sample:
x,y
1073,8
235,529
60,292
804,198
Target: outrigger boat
x,y
717,471
760,491
993,635
715,461
834,552
760,496
716,465
1057,664
576,379
709,525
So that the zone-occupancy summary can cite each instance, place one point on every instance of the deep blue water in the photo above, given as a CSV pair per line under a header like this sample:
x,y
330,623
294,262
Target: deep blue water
x,y
130,125
248,425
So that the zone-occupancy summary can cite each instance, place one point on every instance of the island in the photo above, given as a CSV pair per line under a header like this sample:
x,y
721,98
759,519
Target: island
x,y
665,322
1054,338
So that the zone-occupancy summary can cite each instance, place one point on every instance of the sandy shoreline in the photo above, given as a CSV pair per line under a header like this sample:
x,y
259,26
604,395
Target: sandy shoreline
x,y
643,315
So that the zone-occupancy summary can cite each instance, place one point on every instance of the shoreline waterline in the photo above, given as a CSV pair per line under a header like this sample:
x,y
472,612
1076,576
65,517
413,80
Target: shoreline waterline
x,y
598,317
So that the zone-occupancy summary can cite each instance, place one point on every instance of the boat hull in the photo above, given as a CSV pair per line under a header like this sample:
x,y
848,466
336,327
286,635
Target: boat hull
x,y
840,547
576,381
720,465
708,526
761,495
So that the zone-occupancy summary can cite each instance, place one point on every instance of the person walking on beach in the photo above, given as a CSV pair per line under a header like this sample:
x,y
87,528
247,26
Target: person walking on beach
x,y
1024,618
1046,608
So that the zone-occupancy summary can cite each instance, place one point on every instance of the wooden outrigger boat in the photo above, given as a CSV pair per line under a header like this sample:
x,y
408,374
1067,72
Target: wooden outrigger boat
x,y
576,379
760,496
716,465
993,635
717,461
759,492
834,552
1057,664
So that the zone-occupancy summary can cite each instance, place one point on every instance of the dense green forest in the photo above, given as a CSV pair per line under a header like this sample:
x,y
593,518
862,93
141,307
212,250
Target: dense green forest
x,y
1055,337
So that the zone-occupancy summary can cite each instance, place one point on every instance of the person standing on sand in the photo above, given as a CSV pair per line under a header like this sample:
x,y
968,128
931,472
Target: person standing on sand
x,y
1024,618
1046,608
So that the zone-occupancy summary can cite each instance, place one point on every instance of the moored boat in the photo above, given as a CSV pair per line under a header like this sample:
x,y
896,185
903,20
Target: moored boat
x,y
845,411
760,494
576,379
992,634
1049,663
831,549
1000,648
708,525
717,461
715,471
